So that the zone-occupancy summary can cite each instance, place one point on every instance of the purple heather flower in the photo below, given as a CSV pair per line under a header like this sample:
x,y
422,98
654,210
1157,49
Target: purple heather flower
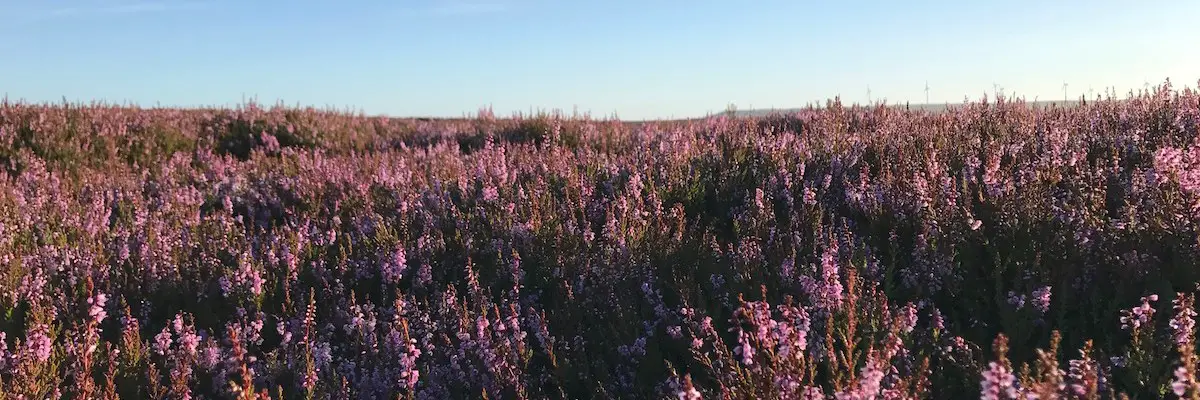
x,y
869,383
96,307
1041,299
684,389
1135,317
1078,373
908,318
1181,382
1183,324
812,393
392,268
810,196
3,352
162,342
269,141
717,281
744,349
38,344
409,374
998,383
211,356
689,394
491,194
177,323
936,320
826,290
787,385
1016,300
788,269
322,355
189,342
634,351
310,379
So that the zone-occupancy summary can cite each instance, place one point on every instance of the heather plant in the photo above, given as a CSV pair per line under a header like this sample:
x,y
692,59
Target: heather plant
x,y
843,252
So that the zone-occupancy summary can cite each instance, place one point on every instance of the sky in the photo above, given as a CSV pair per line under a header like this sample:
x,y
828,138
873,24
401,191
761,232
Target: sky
x,y
634,59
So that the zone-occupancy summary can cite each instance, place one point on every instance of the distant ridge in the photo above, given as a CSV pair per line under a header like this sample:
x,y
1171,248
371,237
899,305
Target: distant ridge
x,y
762,112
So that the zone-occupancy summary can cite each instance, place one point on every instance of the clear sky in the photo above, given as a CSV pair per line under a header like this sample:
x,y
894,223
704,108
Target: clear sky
x,y
639,59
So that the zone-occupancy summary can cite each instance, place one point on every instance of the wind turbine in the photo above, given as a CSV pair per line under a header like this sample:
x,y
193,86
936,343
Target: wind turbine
x,y
1065,92
926,92
869,94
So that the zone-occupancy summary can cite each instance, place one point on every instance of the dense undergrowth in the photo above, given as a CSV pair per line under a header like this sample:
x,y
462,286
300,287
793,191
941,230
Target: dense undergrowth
x,y
993,250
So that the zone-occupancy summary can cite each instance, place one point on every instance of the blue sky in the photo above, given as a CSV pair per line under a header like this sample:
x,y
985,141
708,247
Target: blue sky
x,y
639,59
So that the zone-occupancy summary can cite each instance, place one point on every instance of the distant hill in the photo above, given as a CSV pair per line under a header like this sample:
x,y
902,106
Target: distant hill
x,y
762,112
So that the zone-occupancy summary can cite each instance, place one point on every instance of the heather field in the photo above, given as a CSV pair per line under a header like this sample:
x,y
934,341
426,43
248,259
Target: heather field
x,y
992,250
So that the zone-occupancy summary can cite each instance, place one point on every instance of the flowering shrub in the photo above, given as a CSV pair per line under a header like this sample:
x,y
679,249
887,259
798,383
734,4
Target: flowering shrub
x,y
997,250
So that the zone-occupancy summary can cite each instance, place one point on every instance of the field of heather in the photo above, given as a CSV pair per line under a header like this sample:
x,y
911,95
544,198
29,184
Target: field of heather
x,y
992,250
